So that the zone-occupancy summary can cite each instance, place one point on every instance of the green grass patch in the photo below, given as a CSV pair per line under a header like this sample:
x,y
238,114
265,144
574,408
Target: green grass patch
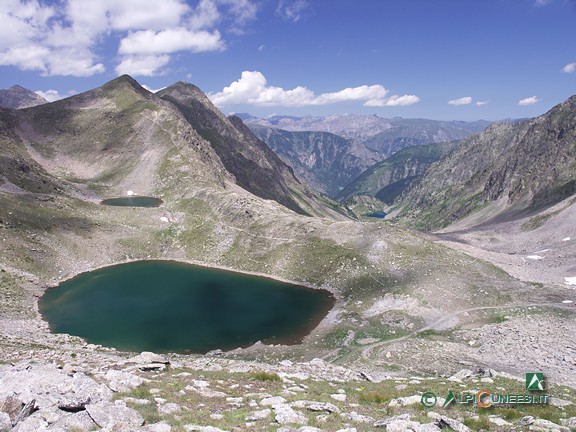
x,y
535,222
265,376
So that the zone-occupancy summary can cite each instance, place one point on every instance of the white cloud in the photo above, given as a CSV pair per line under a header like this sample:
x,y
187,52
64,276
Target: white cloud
x,y
482,103
294,10
169,41
142,65
252,89
528,101
542,2
49,95
152,90
569,68
394,100
462,101
63,38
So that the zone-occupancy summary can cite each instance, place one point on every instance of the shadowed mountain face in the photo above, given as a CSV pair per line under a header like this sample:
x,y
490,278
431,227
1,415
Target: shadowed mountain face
x,y
509,168
254,165
326,161
19,97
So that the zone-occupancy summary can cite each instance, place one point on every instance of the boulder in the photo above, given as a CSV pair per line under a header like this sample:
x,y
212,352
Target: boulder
x,y
114,415
11,405
5,422
120,381
284,414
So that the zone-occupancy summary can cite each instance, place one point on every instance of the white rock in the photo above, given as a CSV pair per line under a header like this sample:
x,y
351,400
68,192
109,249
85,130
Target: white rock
x,y
147,357
498,421
31,424
203,428
487,380
259,415
401,426
309,429
74,421
357,418
169,409
164,219
108,415
535,257
427,427
404,401
216,416
269,401
347,430
156,427
120,381
547,424
284,414
5,422
339,397
460,375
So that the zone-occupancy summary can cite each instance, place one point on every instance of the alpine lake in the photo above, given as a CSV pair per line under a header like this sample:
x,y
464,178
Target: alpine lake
x,y
168,306
133,201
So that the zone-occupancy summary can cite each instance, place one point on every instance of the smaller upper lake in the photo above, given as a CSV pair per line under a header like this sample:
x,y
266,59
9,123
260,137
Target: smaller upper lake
x,y
377,214
166,306
133,201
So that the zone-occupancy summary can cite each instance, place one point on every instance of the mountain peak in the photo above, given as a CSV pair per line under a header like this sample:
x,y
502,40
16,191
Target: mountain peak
x,y
19,97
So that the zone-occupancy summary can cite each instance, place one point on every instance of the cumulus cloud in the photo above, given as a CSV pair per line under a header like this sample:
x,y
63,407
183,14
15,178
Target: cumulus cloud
x,y
569,68
528,101
63,38
462,101
49,95
143,65
252,89
294,10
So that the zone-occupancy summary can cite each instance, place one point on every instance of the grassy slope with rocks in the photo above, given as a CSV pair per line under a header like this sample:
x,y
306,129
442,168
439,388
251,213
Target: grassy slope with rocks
x,y
389,282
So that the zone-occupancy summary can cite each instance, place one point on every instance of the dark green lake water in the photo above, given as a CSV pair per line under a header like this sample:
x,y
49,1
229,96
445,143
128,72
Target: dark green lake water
x,y
133,201
165,306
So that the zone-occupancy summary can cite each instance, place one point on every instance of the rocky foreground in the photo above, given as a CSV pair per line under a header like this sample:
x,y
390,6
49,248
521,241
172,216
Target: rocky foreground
x,y
150,392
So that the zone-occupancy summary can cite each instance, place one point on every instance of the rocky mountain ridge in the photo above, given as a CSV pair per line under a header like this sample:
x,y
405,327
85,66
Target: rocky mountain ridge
x,y
508,169
18,97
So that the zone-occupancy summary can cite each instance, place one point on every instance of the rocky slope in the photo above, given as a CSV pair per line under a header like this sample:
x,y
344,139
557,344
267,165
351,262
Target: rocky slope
x,y
19,97
508,169
388,179
326,161
254,166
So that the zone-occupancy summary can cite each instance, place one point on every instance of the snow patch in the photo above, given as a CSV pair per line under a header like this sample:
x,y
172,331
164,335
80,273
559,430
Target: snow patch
x,y
570,280
164,219
566,239
130,193
567,301
535,257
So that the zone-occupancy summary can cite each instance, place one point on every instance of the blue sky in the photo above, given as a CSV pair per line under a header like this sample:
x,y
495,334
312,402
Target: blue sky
x,y
439,59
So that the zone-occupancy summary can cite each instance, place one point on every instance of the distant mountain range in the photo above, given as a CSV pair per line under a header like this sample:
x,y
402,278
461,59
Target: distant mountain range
x,y
19,97
328,163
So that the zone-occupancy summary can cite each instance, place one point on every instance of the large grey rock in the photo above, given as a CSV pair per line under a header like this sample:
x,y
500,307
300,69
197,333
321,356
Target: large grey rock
x,y
570,422
120,381
5,422
401,426
443,421
284,414
386,422
147,357
156,427
49,385
31,424
203,428
269,401
547,424
427,427
357,418
78,421
259,415
316,406
460,375
404,401
169,408
114,415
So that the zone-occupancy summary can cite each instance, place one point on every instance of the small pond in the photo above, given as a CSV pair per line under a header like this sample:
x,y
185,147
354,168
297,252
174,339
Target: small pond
x,y
133,201
377,214
166,306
